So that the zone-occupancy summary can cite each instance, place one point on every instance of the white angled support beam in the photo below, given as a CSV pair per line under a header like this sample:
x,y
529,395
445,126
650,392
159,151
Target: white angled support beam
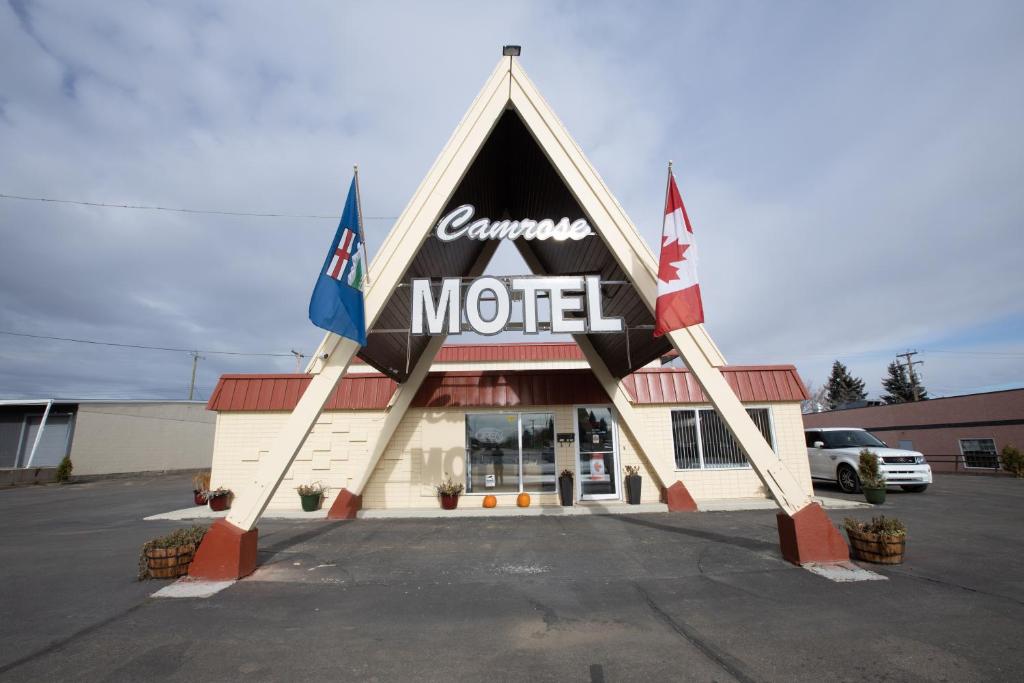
x,y
250,505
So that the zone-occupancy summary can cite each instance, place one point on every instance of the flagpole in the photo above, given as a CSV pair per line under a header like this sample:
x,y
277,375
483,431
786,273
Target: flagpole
x,y
362,233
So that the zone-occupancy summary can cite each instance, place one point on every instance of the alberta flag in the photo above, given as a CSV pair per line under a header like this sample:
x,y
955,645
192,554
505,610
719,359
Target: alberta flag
x,y
337,301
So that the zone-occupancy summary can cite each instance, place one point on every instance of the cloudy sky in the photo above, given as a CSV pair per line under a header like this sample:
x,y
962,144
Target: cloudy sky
x,y
853,170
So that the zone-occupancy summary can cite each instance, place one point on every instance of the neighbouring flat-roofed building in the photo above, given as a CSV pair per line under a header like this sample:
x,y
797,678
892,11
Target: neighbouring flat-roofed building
x,y
104,436
507,418
956,433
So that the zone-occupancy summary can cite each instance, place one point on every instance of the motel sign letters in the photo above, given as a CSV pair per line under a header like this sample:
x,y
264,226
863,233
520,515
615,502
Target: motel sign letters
x,y
574,301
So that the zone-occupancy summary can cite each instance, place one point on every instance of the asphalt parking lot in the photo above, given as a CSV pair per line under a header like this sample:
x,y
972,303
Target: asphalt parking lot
x,y
600,598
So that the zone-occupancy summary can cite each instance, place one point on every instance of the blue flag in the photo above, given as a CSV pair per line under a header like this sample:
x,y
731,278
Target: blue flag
x,y
337,301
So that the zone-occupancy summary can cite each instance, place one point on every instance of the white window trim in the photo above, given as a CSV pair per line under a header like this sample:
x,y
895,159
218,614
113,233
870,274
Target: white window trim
x,y
963,456
697,407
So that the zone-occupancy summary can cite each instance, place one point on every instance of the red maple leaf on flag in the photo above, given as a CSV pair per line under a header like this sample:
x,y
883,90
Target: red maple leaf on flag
x,y
671,254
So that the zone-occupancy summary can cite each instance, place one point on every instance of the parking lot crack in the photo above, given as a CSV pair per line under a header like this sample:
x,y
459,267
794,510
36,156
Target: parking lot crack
x,y
723,660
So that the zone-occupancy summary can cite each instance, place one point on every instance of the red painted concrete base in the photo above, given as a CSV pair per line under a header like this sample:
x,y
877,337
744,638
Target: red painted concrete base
x,y
226,552
810,536
345,506
679,498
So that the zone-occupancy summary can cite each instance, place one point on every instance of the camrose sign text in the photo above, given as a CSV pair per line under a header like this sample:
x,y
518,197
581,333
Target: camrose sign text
x,y
459,223
574,304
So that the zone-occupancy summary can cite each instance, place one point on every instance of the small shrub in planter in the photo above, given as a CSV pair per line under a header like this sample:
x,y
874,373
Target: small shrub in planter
x,y
566,491
1012,460
219,499
872,481
633,484
883,540
168,557
64,469
449,492
200,484
312,495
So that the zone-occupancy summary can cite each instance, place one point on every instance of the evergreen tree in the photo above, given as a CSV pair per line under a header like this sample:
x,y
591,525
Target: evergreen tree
x,y
899,385
843,387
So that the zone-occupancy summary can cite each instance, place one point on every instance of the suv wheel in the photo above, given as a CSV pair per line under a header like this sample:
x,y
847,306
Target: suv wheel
x,y
915,488
848,480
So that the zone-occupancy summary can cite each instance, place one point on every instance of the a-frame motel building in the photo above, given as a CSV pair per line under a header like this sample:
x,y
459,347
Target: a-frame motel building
x,y
382,424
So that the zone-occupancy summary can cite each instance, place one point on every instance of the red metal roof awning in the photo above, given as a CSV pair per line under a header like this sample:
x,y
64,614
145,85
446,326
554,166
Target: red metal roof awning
x,y
504,388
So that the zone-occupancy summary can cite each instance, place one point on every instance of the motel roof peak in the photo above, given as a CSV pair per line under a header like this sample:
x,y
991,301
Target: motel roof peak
x,y
509,125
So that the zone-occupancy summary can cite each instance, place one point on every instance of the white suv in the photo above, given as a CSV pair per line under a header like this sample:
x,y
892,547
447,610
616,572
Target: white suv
x,y
833,453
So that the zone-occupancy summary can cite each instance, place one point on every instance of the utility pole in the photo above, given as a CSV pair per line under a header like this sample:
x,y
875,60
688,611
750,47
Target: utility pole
x,y
298,359
907,355
195,361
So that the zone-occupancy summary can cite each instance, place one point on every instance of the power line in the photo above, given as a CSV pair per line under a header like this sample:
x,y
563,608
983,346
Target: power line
x,y
147,207
142,346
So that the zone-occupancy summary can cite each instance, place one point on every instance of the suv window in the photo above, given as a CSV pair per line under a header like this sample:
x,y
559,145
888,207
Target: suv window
x,y
812,437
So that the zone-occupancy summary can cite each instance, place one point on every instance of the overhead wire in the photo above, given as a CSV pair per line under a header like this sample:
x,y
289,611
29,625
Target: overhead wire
x,y
144,346
215,212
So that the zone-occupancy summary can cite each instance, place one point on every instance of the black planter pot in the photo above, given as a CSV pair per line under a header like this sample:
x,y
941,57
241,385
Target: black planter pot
x,y
633,489
565,491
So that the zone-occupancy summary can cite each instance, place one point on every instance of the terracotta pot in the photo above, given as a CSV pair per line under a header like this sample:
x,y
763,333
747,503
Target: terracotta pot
x,y
169,563
490,502
220,503
449,502
199,498
523,500
876,548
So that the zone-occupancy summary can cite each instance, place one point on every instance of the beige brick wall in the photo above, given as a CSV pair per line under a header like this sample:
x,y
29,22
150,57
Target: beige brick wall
x,y
430,443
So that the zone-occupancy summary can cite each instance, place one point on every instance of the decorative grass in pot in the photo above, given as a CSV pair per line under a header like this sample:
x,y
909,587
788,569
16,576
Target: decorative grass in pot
x,y
219,499
872,481
312,496
200,484
449,492
883,540
633,483
168,557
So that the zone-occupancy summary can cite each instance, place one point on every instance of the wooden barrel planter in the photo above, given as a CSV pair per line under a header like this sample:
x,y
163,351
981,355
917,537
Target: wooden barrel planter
x,y
169,563
876,548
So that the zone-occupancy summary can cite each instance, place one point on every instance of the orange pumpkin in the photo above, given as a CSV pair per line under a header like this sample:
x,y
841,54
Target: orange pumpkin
x,y
490,501
523,500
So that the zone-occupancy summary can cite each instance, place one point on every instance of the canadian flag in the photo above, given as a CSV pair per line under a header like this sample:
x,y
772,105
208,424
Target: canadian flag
x,y
679,303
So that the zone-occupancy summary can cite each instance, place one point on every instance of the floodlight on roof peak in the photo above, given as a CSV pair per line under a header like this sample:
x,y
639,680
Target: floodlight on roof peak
x,y
512,50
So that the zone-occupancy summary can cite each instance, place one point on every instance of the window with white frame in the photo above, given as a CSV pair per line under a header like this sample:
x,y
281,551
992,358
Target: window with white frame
x,y
980,453
703,442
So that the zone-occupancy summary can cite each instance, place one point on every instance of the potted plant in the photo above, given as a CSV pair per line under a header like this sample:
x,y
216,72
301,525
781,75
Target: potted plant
x,y
219,499
633,483
200,484
168,557
565,488
883,540
312,496
872,481
449,492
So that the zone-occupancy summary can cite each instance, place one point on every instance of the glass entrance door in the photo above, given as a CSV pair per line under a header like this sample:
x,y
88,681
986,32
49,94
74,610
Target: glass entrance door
x,y
596,454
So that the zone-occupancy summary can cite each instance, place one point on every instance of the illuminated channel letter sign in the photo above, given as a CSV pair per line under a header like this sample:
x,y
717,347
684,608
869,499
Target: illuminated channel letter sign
x,y
459,223
574,305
